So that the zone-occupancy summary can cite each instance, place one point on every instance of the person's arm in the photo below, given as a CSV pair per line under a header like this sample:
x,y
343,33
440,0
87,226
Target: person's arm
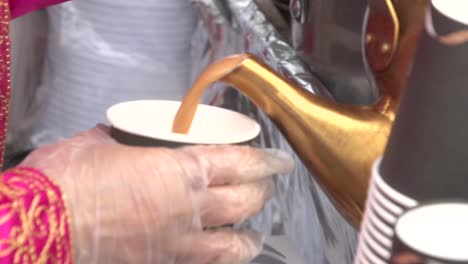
x,y
22,7
33,219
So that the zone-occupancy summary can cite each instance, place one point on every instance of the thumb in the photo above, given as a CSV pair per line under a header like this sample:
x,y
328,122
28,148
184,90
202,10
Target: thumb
x,y
240,164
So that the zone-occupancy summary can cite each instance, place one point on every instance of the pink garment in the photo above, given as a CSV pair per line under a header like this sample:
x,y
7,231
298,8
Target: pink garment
x,y
22,7
34,225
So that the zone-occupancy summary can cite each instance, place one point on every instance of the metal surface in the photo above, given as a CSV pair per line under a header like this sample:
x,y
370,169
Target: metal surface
x,y
331,41
392,80
299,10
382,32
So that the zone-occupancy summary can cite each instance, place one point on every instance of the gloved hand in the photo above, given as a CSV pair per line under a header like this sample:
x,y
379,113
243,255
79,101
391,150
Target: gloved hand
x,y
157,205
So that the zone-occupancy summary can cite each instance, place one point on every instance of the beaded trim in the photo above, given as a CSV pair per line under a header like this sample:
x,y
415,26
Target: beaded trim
x,y
5,85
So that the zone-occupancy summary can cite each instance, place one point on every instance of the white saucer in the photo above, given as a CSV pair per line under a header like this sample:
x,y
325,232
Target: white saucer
x,y
154,118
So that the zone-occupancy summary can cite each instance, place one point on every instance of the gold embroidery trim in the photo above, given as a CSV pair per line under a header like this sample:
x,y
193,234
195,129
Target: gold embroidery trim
x,y
33,219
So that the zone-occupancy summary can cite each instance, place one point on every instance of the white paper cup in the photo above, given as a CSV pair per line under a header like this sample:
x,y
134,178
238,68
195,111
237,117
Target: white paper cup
x,y
149,123
432,233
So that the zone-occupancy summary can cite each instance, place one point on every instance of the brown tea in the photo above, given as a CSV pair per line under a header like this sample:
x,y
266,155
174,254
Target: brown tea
x,y
212,74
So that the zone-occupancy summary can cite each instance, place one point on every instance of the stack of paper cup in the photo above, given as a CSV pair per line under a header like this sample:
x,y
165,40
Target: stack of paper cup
x,y
101,52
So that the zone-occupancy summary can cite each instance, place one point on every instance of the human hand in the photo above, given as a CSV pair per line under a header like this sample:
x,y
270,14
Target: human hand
x,y
157,205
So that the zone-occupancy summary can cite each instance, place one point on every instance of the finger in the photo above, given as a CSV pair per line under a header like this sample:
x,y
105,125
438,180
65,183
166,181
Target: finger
x,y
222,246
239,164
233,204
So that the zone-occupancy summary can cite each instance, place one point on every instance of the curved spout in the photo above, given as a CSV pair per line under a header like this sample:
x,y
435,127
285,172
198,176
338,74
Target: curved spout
x,y
337,142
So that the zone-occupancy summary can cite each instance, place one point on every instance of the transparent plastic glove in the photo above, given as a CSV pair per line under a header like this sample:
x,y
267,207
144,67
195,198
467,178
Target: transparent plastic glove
x,y
156,205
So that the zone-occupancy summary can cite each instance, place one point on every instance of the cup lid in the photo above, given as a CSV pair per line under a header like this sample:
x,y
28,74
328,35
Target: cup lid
x,y
154,119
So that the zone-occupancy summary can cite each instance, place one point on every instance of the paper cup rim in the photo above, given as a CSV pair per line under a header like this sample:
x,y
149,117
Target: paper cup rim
x,y
418,249
248,130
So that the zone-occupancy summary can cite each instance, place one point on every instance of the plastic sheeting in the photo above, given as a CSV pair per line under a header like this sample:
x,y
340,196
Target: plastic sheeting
x,y
97,53
28,35
300,210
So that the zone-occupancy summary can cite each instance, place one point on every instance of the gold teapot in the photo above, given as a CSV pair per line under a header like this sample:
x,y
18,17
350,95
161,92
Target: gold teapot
x,y
338,143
